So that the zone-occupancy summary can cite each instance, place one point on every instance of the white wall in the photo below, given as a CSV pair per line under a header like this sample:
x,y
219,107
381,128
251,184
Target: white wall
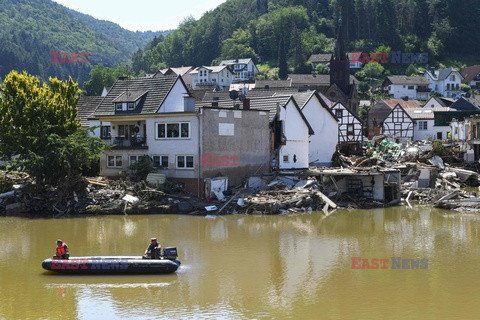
x,y
174,101
173,147
324,142
400,91
296,132
432,103
431,131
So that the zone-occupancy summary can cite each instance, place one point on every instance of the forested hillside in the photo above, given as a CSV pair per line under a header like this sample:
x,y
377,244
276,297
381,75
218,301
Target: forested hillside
x,y
267,29
31,29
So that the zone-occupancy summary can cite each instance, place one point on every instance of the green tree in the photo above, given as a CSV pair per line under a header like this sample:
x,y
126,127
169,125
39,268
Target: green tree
x,y
101,77
411,70
39,123
465,87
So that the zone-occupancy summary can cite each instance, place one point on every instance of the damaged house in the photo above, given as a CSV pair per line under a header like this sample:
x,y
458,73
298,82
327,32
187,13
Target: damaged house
x,y
157,117
350,129
290,130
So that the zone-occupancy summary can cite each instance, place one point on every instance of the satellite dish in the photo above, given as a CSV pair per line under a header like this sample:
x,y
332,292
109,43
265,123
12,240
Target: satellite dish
x,y
241,97
233,94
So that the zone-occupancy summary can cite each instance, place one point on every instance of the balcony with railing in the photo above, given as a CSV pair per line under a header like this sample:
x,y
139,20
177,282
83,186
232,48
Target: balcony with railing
x,y
133,142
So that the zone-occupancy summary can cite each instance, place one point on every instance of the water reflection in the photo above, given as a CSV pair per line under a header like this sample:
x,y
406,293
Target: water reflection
x,y
248,267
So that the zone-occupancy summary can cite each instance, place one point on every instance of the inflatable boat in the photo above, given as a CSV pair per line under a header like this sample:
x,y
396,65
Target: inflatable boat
x,y
168,263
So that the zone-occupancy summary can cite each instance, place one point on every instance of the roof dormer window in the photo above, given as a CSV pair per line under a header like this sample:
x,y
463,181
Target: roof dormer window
x,y
131,106
118,106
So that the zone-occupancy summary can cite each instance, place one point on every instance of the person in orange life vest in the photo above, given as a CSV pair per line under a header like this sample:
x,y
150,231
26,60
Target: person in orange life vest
x,y
62,250
153,250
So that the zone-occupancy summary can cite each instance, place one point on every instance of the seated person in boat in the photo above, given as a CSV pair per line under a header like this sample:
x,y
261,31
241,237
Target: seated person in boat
x,y
153,250
62,250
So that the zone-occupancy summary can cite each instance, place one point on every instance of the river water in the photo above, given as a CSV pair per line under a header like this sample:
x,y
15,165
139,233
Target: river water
x,y
251,267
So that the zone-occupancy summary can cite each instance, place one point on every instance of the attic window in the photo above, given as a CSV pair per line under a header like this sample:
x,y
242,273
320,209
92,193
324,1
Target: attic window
x,y
131,106
118,106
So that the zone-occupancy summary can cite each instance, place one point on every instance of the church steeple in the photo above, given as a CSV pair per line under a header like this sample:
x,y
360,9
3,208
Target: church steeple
x,y
340,44
339,64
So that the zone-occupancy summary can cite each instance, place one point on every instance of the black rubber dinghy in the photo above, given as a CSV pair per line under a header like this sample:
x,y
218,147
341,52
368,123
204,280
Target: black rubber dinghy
x,y
115,264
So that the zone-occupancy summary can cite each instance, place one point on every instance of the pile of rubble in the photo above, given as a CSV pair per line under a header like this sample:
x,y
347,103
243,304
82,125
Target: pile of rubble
x,y
90,197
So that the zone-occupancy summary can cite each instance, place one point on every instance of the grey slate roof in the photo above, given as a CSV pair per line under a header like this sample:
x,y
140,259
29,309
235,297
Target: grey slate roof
x,y
302,97
441,74
265,84
320,58
464,105
256,93
86,106
314,79
234,61
267,103
156,89
404,80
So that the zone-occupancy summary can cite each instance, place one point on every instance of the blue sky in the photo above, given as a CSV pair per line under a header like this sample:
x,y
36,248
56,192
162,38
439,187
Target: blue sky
x,y
143,15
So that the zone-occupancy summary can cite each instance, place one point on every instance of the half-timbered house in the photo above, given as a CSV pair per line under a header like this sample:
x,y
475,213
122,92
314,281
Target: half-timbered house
x,y
350,129
398,125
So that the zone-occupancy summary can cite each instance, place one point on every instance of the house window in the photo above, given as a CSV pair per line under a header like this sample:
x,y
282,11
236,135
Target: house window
x,y
439,136
173,130
105,132
126,131
184,162
448,86
134,159
422,125
160,161
118,106
350,129
339,113
114,161
452,78
131,106
285,158
411,87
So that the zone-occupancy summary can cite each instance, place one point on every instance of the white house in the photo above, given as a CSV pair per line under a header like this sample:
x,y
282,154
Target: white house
x,y
446,82
244,69
323,142
424,124
413,88
398,125
212,76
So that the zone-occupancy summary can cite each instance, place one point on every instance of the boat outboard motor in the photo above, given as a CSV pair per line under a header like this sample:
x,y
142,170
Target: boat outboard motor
x,y
170,253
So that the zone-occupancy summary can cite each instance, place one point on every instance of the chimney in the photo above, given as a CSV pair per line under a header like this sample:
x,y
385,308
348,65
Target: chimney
x,y
246,104
214,103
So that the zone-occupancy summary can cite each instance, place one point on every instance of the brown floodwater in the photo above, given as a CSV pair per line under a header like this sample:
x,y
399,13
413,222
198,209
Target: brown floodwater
x,y
251,267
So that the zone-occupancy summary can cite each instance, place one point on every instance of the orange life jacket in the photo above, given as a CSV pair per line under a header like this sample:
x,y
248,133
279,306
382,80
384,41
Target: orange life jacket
x,y
61,249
